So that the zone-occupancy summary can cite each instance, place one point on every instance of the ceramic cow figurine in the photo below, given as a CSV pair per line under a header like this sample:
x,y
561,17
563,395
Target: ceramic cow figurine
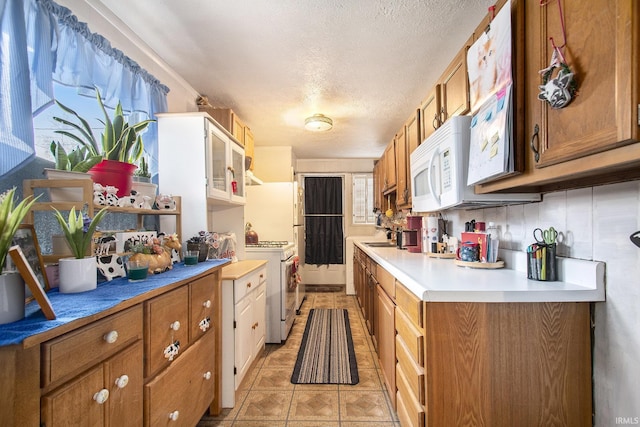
x,y
111,266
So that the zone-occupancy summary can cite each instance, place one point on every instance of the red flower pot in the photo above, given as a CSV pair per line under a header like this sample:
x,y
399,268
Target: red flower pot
x,y
115,173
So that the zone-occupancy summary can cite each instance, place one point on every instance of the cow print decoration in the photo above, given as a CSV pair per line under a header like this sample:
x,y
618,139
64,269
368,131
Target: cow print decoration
x,y
111,266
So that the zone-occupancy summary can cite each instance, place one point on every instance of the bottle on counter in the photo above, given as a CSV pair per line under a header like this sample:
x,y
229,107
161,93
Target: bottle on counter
x,y
494,241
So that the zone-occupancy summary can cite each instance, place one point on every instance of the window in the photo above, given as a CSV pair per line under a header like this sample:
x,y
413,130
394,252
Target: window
x,y
363,199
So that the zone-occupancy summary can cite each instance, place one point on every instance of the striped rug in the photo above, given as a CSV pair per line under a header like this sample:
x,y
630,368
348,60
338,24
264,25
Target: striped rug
x,y
326,354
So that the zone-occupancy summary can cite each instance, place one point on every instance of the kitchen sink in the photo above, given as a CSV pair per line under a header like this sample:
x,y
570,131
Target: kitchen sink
x,y
381,244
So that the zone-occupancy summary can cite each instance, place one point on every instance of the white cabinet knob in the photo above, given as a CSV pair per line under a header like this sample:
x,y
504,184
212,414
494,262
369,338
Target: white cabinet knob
x,y
175,325
122,381
207,375
101,396
174,416
207,304
111,337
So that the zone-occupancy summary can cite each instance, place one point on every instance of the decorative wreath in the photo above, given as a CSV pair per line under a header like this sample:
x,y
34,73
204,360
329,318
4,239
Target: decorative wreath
x,y
560,90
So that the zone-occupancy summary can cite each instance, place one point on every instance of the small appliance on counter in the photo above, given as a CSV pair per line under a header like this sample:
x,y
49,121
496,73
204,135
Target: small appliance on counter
x,y
412,235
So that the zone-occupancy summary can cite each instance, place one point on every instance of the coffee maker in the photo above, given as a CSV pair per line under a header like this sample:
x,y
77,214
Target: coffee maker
x,y
412,234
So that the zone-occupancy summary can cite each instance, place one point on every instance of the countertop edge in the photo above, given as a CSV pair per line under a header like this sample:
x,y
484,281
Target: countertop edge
x,y
238,269
585,279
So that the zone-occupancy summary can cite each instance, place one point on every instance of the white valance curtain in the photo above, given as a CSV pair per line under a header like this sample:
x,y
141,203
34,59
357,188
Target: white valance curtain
x,y
42,42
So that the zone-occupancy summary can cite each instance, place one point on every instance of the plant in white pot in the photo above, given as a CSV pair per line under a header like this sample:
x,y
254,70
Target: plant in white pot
x,y
78,274
121,145
11,283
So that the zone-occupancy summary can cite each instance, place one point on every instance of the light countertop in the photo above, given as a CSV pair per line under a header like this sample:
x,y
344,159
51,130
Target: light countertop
x,y
238,269
441,280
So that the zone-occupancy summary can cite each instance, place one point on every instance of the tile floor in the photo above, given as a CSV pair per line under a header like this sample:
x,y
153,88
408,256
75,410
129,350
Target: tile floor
x,y
268,398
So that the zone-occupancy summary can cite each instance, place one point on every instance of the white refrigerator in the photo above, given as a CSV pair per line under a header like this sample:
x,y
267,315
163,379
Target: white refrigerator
x,y
275,211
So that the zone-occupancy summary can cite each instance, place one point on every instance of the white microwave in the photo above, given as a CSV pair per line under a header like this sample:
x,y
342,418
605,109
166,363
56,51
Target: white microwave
x,y
439,168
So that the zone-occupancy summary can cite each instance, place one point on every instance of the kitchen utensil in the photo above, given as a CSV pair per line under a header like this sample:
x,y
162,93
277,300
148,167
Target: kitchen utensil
x,y
250,236
547,236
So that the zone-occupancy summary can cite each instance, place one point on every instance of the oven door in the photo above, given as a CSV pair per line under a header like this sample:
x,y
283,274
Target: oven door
x,y
288,295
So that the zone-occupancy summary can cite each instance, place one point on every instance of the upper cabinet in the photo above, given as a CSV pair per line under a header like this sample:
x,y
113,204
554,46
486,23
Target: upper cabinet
x,y
593,140
201,160
430,113
454,87
389,157
407,140
228,120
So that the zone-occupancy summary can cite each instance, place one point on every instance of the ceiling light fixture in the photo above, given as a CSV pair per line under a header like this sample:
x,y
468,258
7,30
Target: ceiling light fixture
x,y
318,123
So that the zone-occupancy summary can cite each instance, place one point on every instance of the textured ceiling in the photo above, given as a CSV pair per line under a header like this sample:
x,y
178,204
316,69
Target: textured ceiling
x,y
367,64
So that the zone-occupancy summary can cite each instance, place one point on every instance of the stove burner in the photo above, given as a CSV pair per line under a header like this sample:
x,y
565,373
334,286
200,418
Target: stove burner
x,y
268,244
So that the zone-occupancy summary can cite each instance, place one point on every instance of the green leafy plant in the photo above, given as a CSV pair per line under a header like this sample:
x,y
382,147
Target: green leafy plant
x,y
120,140
78,229
11,215
143,169
79,159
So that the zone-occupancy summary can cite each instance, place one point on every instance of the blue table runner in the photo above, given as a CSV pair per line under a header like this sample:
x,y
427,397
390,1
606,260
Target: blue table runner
x,y
70,307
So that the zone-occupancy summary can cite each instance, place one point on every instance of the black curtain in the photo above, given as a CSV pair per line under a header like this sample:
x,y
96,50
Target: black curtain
x,y
323,220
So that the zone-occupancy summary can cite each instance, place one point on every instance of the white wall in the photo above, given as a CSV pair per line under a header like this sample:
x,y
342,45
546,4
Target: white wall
x,y
593,224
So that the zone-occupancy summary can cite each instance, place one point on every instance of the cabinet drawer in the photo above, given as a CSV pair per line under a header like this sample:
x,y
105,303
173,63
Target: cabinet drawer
x,y
387,281
69,354
410,304
202,306
412,411
187,387
166,324
411,336
413,373
247,283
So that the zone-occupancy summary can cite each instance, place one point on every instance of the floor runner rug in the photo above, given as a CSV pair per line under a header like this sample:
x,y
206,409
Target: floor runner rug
x,y
326,354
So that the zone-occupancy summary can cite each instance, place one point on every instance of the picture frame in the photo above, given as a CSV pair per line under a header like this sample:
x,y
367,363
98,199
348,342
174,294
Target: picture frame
x,y
22,264
26,238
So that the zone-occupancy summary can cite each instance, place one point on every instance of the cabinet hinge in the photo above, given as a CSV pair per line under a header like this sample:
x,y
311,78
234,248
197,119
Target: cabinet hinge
x,y
235,370
234,324
638,114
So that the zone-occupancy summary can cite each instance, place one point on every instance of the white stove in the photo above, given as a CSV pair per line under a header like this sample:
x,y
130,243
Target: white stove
x,y
281,285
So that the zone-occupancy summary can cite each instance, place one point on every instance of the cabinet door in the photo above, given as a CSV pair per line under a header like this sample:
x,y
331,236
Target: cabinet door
x,y
217,174
237,173
259,319
123,374
601,47
386,331
402,192
73,404
455,88
249,146
413,138
430,113
377,185
390,166
244,335
237,129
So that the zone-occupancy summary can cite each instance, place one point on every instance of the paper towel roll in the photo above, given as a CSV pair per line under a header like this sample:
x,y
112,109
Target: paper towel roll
x,y
433,232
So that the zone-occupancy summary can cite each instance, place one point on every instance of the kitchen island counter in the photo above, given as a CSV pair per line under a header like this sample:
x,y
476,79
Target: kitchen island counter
x,y
441,280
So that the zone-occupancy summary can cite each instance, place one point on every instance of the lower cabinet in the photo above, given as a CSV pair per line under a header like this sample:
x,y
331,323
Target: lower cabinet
x,y
135,364
243,323
386,331
475,363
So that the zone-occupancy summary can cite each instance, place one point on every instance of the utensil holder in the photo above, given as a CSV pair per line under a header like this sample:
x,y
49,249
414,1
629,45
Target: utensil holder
x,y
541,262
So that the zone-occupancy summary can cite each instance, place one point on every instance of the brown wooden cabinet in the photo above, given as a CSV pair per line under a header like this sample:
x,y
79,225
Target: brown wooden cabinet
x,y
377,184
386,335
454,87
430,113
389,157
249,149
594,139
402,191
113,368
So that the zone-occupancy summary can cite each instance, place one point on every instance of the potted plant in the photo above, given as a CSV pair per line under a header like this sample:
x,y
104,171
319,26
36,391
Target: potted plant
x,y
78,274
199,243
121,145
142,180
11,283
72,165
